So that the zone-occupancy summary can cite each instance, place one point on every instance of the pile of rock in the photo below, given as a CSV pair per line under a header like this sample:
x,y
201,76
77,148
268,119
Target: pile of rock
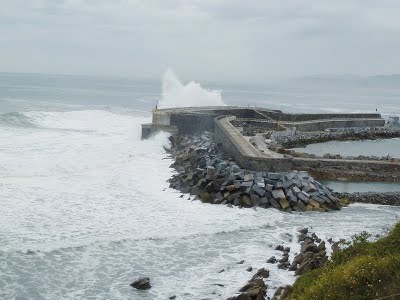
x,y
204,171
283,263
255,289
248,129
337,156
312,254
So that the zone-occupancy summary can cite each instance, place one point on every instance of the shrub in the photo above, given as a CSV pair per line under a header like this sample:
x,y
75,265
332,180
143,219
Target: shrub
x,y
364,270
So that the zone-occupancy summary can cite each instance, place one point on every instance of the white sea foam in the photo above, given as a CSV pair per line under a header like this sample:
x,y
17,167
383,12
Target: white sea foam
x,y
177,94
92,203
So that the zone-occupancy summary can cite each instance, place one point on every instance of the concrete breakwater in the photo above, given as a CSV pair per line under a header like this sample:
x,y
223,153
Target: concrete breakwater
x,y
249,157
206,172
191,120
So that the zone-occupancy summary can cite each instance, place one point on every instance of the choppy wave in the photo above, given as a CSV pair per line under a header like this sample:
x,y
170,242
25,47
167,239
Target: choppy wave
x,y
101,121
16,119
86,208
132,239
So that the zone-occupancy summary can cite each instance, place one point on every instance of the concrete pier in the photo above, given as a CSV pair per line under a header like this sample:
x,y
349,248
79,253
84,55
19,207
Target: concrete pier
x,y
192,120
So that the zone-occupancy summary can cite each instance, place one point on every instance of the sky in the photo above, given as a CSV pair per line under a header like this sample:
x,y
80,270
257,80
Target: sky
x,y
221,40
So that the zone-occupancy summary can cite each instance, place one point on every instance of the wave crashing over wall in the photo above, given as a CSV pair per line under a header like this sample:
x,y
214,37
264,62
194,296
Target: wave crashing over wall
x,y
177,94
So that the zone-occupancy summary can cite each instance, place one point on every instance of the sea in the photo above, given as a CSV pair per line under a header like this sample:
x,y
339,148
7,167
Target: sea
x,y
86,208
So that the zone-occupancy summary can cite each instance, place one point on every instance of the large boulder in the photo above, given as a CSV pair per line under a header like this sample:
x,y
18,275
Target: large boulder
x,y
253,290
141,283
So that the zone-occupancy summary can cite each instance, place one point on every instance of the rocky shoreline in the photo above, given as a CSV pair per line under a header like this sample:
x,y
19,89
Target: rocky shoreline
x,y
301,139
312,255
207,173
338,156
388,198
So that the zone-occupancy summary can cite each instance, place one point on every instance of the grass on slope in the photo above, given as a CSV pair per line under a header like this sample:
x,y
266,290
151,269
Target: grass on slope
x,y
364,270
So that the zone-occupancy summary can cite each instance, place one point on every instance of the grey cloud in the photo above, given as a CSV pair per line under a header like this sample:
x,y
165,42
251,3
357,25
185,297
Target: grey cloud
x,y
202,39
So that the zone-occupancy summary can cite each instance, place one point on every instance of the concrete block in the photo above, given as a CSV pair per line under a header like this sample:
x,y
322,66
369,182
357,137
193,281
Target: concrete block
x,y
284,203
278,194
248,177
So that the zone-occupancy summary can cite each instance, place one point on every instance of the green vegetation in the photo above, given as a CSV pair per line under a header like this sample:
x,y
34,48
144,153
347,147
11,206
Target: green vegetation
x,y
364,270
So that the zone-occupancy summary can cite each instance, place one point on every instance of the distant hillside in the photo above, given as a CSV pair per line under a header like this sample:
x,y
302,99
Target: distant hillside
x,y
383,81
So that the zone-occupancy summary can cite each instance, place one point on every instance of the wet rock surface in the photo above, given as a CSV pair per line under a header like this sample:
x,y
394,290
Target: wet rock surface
x,y
255,289
204,171
313,255
141,283
281,293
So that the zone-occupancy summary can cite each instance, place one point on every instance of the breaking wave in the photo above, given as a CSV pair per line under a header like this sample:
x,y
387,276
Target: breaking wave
x,y
16,119
177,94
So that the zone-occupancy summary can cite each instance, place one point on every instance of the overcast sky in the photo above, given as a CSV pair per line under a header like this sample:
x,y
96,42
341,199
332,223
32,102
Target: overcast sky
x,y
223,40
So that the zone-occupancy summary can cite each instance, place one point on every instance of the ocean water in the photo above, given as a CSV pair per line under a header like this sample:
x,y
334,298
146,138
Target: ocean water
x,y
86,208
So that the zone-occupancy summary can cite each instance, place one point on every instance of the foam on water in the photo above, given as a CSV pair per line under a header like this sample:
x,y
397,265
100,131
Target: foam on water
x,y
86,209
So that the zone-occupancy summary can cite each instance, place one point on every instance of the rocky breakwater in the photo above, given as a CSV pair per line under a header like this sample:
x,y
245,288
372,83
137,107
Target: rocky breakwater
x,y
301,139
204,171
388,198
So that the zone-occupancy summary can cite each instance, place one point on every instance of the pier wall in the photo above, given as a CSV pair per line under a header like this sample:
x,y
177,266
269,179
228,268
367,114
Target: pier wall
x,y
246,156
218,120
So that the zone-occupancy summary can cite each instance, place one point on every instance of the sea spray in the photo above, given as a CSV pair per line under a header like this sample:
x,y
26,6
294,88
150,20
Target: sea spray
x,y
177,94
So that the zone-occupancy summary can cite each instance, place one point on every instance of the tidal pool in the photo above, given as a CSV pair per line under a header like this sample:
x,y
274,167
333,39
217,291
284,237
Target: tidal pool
x,y
352,187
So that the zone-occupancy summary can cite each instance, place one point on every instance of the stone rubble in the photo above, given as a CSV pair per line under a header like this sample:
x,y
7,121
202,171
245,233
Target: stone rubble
x,y
301,139
255,289
205,172
312,254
